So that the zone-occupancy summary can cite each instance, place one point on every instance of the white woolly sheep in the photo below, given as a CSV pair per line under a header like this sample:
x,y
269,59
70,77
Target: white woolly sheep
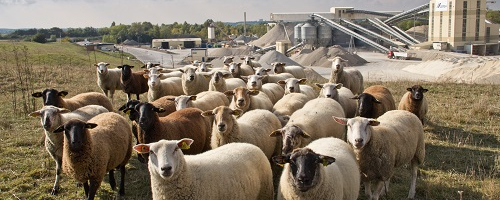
x,y
159,88
166,73
150,65
55,98
394,139
340,94
194,82
414,101
296,71
272,78
324,169
287,105
204,67
52,117
274,91
95,147
133,82
295,85
374,101
350,77
238,70
311,122
250,61
205,176
245,99
251,127
108,79
227,60
221,81
207,100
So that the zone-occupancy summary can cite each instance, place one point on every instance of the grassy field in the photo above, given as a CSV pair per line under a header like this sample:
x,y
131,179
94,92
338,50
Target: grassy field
x,y
462,130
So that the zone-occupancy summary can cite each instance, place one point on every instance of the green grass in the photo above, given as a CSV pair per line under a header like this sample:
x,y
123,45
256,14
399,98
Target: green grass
x,y
462,130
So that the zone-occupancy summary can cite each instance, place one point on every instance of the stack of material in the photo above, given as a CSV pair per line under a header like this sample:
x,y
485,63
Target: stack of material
x,y
274,56
320,56
275,34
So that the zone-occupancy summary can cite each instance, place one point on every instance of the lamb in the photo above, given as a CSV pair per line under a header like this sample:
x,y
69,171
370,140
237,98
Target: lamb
x,y
294,85
309,123
324,169
52,117
272,78
374,101
351,78
287,105
340,94
95,147
238,70
207,100
414,101
252,127
246,100
194,82
55,98
133,82
187,122
250,61
232,171
393,140
159,88
274,91
296,71
222,82
108,79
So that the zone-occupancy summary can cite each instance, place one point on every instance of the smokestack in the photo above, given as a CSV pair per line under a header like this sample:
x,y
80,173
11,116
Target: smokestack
x,y
244,23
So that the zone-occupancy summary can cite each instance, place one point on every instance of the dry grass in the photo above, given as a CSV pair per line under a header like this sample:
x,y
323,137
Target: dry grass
x,y
462,131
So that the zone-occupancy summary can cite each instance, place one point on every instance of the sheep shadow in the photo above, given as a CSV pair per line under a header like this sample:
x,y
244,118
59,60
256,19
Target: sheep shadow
x,y
460,136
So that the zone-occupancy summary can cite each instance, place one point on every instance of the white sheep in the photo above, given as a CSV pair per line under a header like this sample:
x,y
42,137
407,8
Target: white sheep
x,y
340,94
394,139
159,88
204,67
149,65
194,82
295,85
311,122
324,169
351,78
250,61
108,79
251,127
287,105
55,98
93,148
296,71
245,99
166,73
238,70
414,101
227,60
52,117
221,81
207,100
232,171
274,91
272,78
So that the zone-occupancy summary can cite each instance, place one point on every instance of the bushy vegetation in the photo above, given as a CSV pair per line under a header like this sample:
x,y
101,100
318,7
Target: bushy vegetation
x,y
493,16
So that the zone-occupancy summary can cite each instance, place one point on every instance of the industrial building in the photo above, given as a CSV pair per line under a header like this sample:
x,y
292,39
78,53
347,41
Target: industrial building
x,y
176,43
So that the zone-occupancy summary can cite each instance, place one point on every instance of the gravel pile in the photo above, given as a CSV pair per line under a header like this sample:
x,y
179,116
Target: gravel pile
x,y
320,56
276,33
275,56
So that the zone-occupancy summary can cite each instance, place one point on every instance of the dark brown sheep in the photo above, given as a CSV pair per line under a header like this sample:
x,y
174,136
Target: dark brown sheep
x,y
133,82
55,98
414,101
374,101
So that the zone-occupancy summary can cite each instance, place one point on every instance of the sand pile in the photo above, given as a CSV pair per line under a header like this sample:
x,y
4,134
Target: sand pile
x,y
221,52
320,56
276,33
274,56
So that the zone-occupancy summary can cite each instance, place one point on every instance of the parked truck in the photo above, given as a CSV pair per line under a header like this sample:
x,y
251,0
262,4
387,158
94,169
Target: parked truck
x,y
400,55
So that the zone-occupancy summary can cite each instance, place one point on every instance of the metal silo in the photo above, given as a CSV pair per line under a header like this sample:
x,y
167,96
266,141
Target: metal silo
x,y
297,33
324,35
309,33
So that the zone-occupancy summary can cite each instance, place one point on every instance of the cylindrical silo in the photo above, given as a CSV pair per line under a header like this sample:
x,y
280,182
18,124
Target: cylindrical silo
x,y
211,33
297,33
309,33
324,35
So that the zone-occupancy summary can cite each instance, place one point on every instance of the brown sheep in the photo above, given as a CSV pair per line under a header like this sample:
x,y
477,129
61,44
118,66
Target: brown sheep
x,y
53,97
133,82
414,101
374,101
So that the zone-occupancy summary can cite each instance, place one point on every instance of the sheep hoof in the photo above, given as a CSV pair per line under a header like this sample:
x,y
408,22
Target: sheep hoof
x,y
54,191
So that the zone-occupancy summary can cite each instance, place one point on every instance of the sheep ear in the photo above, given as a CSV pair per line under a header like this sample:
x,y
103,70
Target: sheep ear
x,y
319,85
90,125
373,122
326,160
408,89
96,65
242,58
127,111
302,81
59,129
119,67
376,100
62,93
142,148
281,160
171,98
425,90
340,120
237,112
267,70
146,76
144,66
229,93
276,133
37,94
355,97
227,75
185,143
159,110
192,97
238,64
123,107
35,114
339,86
281,82
107,64
207,113
304,134
245,78
131,66
64,110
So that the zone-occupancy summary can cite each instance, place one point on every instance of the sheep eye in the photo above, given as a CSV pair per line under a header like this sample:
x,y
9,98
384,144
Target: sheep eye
x,y
176,149
152,152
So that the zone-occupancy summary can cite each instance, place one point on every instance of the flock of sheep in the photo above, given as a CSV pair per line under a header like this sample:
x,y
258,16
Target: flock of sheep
x,y
220,133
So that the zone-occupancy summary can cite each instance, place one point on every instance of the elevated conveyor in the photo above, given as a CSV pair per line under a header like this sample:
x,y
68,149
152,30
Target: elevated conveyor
x,y
371,33
294,47
404,15
351,33
388,30
405,34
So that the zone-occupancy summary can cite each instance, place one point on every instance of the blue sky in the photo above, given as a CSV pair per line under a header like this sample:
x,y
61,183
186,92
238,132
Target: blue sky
x,y
101,13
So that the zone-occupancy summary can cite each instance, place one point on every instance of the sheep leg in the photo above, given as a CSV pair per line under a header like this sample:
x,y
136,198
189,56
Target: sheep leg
x,y
112,181
111,95
94,185
86,188
137,95
128,96
122,181
55,189
379,185
368,189
414,169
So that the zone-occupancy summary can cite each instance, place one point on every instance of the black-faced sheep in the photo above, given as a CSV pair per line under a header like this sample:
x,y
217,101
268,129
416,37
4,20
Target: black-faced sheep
x,y
93,148
324,169
394,139
374,101
351,78
133,82
245,99
53,97
414,101
296,71
232,171
108,79
340,94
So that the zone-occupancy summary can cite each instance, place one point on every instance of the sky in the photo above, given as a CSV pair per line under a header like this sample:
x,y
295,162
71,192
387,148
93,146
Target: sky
x,y
101,13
